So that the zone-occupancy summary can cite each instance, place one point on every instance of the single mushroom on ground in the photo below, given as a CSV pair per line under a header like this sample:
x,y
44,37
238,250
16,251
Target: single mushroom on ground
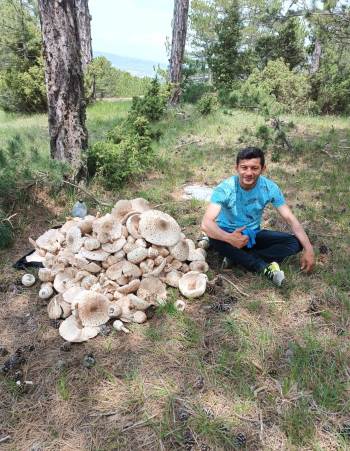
x,y
118,325
28,280
73,331
193,284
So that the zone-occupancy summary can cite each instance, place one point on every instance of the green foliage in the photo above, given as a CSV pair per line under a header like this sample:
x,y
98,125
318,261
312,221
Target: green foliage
x,y
331,83
224,57
20,164
274,90
207,104
128,151
298,423
153,104
285,40
22,81
194,91
6,233
104,80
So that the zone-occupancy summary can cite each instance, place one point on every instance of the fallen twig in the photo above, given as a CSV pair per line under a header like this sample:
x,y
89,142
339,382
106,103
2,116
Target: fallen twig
x,y
4,439
327,153
187,143
8,219
261,434
88,193
235,286
250,420
139,423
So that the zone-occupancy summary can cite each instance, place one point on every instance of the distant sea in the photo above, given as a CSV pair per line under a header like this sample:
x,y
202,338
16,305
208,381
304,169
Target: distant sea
x,y
135,66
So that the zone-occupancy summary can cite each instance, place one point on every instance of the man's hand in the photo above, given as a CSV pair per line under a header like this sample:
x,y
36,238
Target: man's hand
x,y
237,239
307,260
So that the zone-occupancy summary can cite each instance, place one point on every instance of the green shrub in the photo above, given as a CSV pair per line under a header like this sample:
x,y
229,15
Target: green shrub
x,y
128,150
153,104
117,162
276,89
194,91
207,104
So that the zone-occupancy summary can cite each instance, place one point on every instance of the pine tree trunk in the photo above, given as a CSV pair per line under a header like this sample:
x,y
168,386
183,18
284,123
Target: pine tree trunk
x,y
84,19
64,82
178,47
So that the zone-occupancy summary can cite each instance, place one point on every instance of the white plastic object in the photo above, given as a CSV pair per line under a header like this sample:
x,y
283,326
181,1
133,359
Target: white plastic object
x,y
79,209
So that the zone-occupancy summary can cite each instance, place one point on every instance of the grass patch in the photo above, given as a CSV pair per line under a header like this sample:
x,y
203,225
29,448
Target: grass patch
x,y
319,367
298,422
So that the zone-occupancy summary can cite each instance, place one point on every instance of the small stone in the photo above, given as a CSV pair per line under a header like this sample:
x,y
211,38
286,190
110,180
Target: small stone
x,y
89,361
3,351
199,383
105,330
66,347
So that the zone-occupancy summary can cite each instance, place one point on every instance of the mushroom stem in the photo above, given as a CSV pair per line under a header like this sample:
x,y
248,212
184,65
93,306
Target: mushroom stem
x,y
118,325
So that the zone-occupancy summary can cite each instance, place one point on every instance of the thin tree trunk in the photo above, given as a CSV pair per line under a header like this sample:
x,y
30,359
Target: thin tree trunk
x,y
84,19
316,58
178,47
64,82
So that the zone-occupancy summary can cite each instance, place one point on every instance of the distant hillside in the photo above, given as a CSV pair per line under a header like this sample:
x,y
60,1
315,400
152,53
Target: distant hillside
x,y
138,67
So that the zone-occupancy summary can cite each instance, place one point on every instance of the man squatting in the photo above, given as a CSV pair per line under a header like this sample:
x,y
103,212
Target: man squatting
x,y
233,217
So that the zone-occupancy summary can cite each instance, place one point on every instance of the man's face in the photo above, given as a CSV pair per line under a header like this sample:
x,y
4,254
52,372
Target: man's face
x,y
248,172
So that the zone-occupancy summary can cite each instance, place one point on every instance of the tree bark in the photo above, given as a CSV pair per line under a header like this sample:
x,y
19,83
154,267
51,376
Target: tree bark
x,y
178,47
84,19
316,58
64,82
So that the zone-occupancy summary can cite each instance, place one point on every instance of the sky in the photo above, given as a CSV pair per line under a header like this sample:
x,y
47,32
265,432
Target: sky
x,y
134,28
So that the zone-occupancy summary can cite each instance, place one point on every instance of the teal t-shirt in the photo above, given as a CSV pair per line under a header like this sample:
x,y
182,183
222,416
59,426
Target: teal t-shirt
x,y
240,207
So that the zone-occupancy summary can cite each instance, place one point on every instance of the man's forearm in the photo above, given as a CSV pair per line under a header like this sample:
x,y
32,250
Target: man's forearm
x,y
213,231
299,232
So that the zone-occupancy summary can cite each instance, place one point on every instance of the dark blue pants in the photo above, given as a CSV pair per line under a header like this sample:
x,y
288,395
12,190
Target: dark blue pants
x,y
270,247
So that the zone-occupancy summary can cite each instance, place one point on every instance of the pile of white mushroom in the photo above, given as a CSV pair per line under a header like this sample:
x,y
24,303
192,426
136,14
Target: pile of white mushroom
x,y
115,266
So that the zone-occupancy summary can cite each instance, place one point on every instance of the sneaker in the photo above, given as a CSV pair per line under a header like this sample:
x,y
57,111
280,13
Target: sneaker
x,y
274,273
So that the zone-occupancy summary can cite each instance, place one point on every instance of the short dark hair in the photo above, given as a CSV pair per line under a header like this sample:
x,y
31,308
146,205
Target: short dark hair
x,y
250,152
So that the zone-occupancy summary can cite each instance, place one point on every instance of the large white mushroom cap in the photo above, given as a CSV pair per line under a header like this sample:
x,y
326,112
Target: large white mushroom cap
x,y
72,330
152,290
193,284
159,228
93,308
